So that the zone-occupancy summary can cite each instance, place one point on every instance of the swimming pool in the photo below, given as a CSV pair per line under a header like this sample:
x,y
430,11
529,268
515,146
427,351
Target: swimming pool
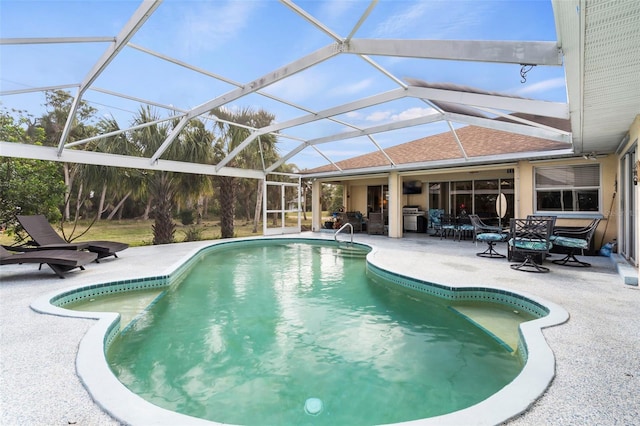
x,y
254,331
454,295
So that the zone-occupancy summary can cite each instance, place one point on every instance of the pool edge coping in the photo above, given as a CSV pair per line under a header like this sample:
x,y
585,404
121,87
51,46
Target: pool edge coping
x,y
119,402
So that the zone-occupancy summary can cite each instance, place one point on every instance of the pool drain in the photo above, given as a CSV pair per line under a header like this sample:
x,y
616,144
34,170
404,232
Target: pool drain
x,y
313,406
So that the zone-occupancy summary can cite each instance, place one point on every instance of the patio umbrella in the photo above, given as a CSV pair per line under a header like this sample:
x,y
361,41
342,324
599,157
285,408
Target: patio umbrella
x,y
501,208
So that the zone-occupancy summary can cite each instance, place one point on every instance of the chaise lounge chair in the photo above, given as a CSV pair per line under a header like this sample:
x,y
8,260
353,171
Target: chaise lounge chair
x,y
60,261
45,237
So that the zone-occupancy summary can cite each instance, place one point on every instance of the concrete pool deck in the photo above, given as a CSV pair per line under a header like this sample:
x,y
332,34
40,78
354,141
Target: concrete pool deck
x,y
597,351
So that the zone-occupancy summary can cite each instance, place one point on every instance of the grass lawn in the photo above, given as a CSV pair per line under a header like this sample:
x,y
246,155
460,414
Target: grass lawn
x,y
140,233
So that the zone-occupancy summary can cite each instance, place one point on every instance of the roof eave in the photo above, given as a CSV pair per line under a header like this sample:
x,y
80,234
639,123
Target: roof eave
x,y
438,164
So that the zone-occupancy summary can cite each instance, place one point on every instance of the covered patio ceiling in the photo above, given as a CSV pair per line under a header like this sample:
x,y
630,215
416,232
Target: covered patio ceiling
x,y
373,89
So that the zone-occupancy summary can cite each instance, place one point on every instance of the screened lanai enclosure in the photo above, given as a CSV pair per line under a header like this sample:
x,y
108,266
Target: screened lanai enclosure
x,y
337,79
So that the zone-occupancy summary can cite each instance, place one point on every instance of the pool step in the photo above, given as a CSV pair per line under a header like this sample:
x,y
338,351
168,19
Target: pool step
x,y
499,322
348,250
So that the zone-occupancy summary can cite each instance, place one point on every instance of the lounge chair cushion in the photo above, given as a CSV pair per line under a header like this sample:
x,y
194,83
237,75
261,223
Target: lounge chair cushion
x,y
570,242
537,245
492,236
107,247
434,216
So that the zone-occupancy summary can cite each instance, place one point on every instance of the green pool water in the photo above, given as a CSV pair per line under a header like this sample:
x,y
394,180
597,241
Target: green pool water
x,y
254,333
128,305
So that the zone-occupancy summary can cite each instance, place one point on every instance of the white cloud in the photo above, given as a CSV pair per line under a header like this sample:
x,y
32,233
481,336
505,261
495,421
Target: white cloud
x,y
378,116
310,83
397,23
351,89
435,20
412,113
300,87
335,9
208,25
407,114
541,87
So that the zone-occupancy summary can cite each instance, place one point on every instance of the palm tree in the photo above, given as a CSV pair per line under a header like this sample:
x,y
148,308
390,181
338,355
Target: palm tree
x,y
149,139
228,139
167,188
196,146
163,191
306,191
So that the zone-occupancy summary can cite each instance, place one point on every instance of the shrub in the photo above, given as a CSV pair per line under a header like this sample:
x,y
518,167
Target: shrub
x,y
186,217
193,233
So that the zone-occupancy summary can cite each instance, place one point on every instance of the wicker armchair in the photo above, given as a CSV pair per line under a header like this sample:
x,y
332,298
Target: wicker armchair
x,y
375,225
356,220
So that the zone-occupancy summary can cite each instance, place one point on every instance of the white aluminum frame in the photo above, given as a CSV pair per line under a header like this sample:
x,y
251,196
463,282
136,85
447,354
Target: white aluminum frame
x,y
541,53
283,210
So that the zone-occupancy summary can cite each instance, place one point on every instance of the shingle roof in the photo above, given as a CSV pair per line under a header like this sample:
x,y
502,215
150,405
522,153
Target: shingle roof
x,y
476,141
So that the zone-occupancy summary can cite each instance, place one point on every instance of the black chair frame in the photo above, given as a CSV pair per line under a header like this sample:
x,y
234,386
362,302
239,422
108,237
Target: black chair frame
x,y
497,235
530,238
585,234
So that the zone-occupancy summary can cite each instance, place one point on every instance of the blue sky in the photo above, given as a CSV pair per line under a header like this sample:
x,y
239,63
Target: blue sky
x,y
245,40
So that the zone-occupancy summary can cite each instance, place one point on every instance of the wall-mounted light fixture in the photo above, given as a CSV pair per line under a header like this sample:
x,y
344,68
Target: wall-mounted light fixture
x,y
591,156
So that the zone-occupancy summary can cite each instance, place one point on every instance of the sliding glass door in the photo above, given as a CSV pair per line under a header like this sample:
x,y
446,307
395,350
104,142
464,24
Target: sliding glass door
x,y
378,199
473,196
628,205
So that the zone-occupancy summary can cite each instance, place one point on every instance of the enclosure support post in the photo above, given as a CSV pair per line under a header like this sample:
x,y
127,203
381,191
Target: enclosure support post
x,y
316,206
395,205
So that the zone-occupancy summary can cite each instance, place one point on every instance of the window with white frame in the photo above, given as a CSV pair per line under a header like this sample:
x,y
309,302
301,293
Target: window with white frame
x,y
568,188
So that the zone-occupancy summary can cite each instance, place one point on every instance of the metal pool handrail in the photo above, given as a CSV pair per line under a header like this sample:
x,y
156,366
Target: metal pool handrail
x,y
335,236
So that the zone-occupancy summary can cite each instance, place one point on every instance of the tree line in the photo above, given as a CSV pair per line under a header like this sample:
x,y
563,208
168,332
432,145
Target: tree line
x,y
67,192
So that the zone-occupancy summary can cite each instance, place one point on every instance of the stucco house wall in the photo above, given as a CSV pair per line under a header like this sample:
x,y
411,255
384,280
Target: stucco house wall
x,y
607,189
523,174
